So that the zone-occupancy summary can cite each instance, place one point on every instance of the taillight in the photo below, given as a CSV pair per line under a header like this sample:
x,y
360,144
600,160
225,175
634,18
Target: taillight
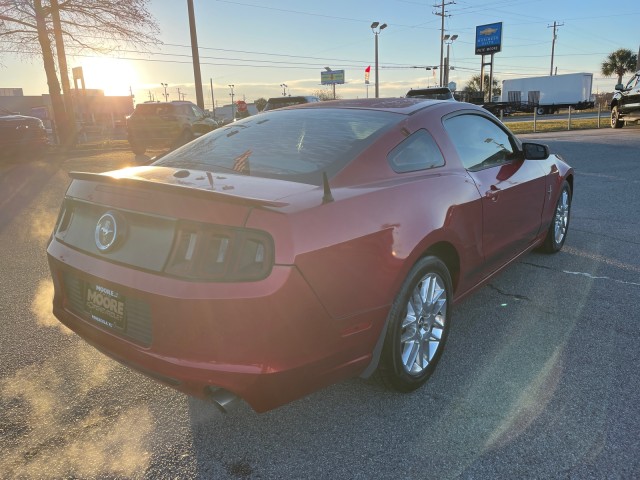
x,y
220,254
64,218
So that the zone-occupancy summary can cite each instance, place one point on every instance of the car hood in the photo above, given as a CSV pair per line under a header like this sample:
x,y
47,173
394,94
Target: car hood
x,y
253,190
17,119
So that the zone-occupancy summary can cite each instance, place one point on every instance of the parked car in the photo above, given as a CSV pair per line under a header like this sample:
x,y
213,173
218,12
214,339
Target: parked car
x,y
21,135
166,124
281,102
300,247
432,93
625,104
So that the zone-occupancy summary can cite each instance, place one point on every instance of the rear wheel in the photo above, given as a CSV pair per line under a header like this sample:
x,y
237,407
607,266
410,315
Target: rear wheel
x,y
615,118
418,326
541,110
137,147
185,137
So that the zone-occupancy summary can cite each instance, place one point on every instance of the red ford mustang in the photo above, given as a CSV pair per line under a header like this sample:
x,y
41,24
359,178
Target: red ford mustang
x,y
300,247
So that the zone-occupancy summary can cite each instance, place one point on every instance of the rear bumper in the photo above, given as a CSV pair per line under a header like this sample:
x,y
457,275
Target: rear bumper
x,y
26,141
153,137
267,342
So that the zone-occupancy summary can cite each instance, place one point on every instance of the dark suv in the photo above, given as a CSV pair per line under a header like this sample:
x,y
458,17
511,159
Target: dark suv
x,y
625,104
431,93
281,102
166,124
21,135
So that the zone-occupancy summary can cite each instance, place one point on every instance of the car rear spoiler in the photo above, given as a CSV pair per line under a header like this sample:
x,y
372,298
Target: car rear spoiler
x,y
182,189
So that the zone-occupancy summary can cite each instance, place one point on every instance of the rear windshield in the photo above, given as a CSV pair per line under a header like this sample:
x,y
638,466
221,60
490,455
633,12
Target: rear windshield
x,y
296,145
154,109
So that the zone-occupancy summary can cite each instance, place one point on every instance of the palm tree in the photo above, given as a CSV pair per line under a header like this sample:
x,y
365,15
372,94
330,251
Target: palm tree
x,y
619,62
473,86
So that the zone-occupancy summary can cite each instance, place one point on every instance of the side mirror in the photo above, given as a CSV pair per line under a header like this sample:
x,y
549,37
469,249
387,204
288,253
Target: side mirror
x,y
619,87
535,151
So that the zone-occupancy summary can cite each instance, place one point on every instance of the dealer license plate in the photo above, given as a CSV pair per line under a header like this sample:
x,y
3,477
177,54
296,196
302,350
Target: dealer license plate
x,y
105,306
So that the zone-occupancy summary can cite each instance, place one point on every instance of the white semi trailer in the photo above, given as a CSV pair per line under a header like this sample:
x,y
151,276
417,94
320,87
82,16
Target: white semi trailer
x,y
548,94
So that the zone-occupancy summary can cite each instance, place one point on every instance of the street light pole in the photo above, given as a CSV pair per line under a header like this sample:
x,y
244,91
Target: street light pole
x,y
233,112
166,95
448,39
213,102
284,89
375,26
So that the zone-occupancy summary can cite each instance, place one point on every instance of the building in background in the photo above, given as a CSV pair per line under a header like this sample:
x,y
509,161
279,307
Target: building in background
x,y
91,107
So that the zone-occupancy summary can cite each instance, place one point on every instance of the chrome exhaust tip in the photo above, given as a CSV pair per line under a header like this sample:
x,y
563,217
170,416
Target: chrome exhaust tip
x,y
221,398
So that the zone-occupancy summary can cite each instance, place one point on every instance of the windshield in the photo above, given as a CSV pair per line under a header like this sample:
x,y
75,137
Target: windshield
x,y
297,145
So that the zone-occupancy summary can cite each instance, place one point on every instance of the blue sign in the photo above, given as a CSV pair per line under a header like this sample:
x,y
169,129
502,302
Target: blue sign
x,y
489,38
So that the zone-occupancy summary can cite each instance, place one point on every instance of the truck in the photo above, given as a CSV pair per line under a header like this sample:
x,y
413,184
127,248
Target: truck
x,y
546,94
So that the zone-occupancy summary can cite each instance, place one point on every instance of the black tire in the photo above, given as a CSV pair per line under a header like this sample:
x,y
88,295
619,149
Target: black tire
x,y
557,233
185,137
137,148
407,330
615,118
541,110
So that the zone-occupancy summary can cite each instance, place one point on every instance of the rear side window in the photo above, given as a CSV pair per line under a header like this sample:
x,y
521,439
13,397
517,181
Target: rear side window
x,y
296,145
417,152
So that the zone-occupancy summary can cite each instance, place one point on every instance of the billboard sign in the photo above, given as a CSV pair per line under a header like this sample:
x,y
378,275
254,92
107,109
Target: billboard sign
x,y
332,77
489,38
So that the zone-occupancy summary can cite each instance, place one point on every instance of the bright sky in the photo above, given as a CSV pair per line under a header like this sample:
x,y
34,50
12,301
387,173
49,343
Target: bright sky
x,y
258,45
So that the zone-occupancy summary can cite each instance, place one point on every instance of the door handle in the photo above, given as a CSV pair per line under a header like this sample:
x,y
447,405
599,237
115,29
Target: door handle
x,y
492,193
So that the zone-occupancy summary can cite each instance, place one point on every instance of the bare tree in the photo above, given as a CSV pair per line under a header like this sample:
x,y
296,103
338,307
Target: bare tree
x,y
27,29
260,103
325,95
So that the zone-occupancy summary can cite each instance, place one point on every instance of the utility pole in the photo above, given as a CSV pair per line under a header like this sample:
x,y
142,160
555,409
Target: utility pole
x,y
442,14
195,55
553,43
638,60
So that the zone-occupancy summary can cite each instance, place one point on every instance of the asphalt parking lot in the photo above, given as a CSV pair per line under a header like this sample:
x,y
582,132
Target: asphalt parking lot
x,y
540,377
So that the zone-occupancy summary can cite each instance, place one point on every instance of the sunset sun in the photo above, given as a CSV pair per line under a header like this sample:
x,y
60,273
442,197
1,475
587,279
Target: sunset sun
x,y
114,76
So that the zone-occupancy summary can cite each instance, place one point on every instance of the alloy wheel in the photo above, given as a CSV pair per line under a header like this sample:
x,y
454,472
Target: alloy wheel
x,y
424,323
561,219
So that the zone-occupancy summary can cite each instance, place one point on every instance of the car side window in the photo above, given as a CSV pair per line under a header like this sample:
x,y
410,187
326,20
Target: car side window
x,y
417,152
196,111
480,143
631,83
